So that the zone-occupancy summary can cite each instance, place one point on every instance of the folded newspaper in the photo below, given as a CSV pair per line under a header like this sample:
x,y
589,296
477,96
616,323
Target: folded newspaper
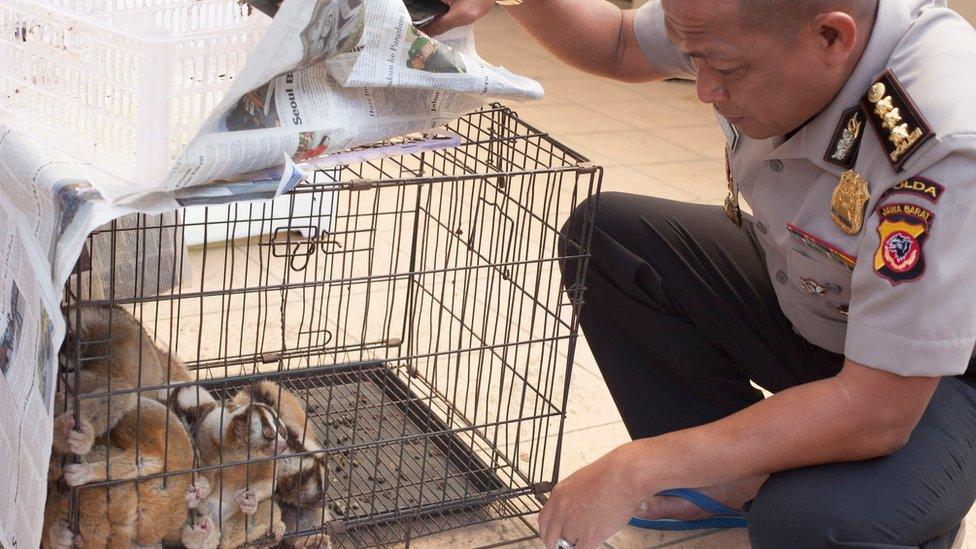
x,y
327,78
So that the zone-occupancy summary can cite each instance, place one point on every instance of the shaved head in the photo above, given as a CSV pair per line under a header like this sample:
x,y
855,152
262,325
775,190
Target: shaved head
x,y
787,15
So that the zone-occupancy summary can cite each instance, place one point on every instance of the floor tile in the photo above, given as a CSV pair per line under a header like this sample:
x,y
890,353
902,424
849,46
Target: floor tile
x,y
655,114
592,153
482,535
634,147
681,90
636,538
494,49
632,180
590,404
970,541
587,89
707,140
734,538
538,66
584,446
560,120
703,179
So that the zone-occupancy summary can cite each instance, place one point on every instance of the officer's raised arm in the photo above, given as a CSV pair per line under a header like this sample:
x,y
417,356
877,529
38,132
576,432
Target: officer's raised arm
x,y
593,36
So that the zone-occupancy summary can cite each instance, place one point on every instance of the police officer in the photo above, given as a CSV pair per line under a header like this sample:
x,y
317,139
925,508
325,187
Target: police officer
x,y
850,293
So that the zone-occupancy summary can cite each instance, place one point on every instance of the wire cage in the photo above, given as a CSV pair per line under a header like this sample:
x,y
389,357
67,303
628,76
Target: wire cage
x,y
408,313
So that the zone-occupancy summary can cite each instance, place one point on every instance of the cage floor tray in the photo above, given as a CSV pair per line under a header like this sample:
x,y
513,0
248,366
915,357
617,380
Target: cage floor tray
x,y
390,457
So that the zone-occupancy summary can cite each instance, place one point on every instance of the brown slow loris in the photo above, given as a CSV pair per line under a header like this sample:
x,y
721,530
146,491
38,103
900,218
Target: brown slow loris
x,y
118,355
234,503
111,355
144,441
301,479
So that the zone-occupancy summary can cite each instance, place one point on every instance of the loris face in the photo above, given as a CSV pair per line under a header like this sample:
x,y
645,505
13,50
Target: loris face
x,y
256,428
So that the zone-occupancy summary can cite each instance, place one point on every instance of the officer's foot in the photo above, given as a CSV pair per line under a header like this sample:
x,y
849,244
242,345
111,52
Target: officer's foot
x,y
734,495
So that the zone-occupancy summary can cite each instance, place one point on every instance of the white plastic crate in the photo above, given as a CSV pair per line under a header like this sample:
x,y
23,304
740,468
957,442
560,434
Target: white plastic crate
x,y
123,84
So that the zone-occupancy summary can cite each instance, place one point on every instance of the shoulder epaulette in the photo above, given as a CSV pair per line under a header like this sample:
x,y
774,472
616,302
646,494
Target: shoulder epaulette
x,y
846,141
897,121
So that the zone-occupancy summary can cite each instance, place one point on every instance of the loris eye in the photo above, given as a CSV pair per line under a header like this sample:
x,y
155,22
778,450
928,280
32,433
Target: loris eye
x,y
268,433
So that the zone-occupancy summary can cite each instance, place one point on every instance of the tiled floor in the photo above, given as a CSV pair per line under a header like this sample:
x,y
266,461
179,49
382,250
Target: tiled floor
x,y
654,139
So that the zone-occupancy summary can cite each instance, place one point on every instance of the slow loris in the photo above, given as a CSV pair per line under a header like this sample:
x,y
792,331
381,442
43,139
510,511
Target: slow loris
x,y
301,478
117,354
145,441
231,499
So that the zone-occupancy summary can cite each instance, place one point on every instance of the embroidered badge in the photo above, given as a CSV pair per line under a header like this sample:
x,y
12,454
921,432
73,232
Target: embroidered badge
x,y
903,229
846,141
896,119
919,186
822,246
848,201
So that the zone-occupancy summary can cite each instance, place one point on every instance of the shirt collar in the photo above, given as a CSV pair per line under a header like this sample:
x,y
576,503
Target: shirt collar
x,y
892,21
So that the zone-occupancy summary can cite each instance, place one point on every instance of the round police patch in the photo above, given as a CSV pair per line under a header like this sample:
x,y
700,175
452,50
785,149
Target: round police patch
x,y
901,251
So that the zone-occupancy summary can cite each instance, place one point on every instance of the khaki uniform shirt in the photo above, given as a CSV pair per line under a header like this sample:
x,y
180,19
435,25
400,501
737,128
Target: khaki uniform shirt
x,y
899,294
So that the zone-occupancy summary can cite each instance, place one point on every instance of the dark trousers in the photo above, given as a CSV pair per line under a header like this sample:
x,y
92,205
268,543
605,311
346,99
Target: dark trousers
x,y
680,315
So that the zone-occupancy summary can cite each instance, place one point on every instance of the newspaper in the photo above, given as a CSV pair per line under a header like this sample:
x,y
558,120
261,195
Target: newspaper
x,y
329,75
31,327
331,82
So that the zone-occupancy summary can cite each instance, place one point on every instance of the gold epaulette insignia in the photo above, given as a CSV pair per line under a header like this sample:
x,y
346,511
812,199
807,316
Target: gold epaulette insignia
x,y
896,119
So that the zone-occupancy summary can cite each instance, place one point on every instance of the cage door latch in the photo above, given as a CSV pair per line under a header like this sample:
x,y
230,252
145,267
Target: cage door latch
x,y
541,491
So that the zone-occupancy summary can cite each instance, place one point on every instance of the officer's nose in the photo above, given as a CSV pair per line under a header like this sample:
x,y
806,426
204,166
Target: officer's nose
x,y
710,87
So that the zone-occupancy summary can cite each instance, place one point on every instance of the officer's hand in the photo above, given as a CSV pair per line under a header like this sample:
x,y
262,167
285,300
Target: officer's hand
x,y
461,12
593,503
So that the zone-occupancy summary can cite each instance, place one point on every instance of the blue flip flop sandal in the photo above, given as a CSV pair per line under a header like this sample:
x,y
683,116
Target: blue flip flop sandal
x,y
722,515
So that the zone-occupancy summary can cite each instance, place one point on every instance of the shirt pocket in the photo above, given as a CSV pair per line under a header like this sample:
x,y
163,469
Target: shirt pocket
x,y
822,288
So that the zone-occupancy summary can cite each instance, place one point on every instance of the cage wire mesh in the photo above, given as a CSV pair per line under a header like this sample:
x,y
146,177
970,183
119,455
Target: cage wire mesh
x,y
412,306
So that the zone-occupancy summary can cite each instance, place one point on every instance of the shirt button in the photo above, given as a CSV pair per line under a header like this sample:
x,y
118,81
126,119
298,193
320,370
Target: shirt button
x,y
776,165
760,227
781,277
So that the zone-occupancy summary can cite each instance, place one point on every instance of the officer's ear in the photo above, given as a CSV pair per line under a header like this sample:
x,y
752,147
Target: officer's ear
x,y
836,36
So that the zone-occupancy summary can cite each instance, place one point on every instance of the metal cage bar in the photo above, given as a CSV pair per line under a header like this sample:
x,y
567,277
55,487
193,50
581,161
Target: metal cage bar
x,y
412,305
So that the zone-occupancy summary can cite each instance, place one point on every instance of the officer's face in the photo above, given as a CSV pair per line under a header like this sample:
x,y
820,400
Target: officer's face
x,y
765,83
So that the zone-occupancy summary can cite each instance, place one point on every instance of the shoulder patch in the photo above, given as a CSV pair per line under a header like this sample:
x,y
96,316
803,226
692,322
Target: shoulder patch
x,y
919,186
902,231
846,141
896,119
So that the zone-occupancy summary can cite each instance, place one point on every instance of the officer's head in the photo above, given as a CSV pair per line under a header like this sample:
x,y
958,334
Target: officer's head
x,y
770,65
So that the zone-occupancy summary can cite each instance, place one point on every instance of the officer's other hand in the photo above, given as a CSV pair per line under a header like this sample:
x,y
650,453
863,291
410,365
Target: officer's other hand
x,y
461,12
590,505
